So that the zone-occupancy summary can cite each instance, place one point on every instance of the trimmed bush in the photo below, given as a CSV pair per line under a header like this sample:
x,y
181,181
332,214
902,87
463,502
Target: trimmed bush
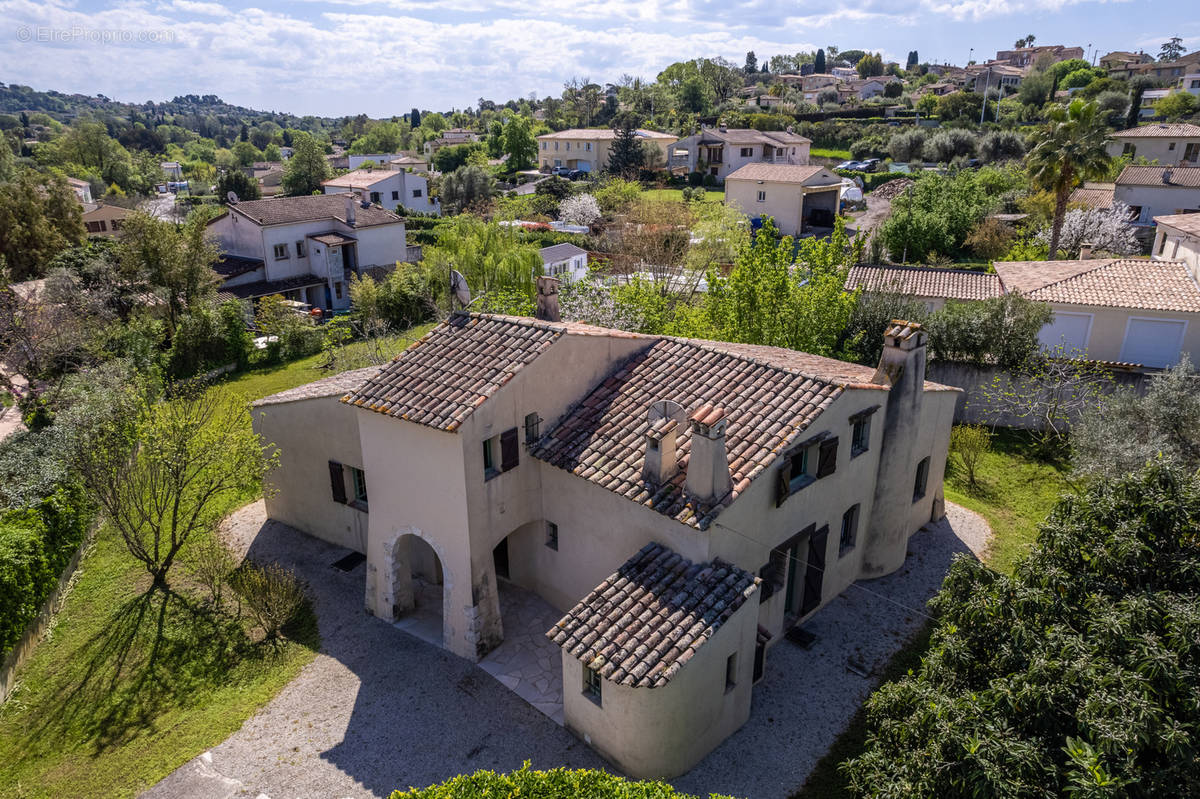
x,y
559,782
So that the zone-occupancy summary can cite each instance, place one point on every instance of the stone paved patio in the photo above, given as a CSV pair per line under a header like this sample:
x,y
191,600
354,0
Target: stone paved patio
x,y
528,663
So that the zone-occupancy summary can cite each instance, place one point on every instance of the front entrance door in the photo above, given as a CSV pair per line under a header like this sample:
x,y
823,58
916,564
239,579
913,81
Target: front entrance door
x,y
815,573
793,550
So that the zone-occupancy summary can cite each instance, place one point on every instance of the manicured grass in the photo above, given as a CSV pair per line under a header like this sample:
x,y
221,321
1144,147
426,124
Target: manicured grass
x,y
127,686
821,152
1017,484
710,195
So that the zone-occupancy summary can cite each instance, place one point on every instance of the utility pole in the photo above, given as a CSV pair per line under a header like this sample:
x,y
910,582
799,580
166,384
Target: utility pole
x,y
987,83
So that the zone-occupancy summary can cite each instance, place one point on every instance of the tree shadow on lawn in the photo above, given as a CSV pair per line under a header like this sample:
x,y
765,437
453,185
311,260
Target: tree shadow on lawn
x,y
157,651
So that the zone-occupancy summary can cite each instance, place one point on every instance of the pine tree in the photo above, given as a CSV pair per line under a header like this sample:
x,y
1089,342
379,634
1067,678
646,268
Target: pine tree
x,y
751,63
414,118
626,156
819,63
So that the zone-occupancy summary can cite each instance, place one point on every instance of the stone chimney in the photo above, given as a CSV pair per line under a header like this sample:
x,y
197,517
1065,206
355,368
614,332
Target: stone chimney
x,y
708,466
547,299
1085,250
662,461
350,209
902,364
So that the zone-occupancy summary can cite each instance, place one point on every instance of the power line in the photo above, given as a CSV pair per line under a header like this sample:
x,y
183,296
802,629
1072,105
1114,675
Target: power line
x,y
854,584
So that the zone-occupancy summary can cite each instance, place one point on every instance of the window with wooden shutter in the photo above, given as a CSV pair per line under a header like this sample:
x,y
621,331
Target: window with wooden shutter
x,y
510,454
783,484
337,482
827,460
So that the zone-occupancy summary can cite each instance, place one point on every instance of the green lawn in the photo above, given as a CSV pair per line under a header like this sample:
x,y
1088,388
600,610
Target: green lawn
x,y
126,688
1017,486
710,195
821,152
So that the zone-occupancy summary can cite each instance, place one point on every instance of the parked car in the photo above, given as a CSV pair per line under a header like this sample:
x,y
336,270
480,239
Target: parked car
x,y
561,171
869,164
850,165
576,174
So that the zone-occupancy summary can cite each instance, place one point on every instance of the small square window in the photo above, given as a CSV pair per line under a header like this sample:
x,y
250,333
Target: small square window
x,y
762,196
731,672
592,684
800,475
919,484
281,252
552,535
860,436
374,196
416,192
395,195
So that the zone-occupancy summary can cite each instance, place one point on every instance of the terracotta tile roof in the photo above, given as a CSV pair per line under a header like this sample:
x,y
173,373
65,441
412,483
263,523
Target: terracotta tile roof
x,y
1163,130
1186,223
1178,177
783,173
333,239
751,136
768,395
648,619
919,281
332,386
1109,283
1094,195
442,378
361,177
311,208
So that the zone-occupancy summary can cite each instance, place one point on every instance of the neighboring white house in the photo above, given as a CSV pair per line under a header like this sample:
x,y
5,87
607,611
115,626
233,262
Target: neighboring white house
x,y
304,248
387,187
564,261
1178,239
449,138
844,73
173,170
1169,144
721,151
798,198
82,189
683,503
1152,191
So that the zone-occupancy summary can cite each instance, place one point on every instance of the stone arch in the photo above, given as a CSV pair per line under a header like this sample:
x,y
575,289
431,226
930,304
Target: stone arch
x,y
402,565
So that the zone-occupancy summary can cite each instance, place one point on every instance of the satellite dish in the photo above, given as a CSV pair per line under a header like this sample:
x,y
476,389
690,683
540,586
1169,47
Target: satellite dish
x,y
459,288
666,409
232,197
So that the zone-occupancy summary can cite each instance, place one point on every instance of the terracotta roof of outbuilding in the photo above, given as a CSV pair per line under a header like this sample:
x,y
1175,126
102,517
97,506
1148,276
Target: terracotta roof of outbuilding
x,y
781,173
602,134
1094,195
361,177
311,208
332,386
921,281
1162,130
1110,283
1179,177
1188,223
649,618
768,396
442,378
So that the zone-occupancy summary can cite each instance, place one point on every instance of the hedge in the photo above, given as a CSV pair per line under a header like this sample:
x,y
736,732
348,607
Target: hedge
x,y
557,784
872,180
35,545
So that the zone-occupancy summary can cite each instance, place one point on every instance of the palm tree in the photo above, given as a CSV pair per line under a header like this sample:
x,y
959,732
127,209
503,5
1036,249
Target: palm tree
x,y
1070,148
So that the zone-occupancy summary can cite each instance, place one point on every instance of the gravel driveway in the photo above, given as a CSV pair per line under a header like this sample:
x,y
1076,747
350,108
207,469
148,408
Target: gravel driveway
x,y
378,710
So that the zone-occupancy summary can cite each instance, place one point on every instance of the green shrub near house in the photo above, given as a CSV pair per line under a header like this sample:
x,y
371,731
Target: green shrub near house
x,y
559,782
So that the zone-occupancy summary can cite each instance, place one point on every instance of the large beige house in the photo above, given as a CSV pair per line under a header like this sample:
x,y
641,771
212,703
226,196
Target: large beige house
x,y
682,503
1122,310
1168,144
721,151
799,198
100,219
586,149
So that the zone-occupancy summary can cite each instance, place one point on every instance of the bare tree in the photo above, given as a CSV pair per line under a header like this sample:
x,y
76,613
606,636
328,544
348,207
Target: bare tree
x,y
162,473
1053,391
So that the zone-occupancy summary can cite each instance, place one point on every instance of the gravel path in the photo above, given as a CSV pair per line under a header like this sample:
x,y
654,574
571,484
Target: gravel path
x,y
378,710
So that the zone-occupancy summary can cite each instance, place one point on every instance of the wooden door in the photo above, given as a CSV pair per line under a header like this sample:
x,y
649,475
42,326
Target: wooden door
x,y
814,574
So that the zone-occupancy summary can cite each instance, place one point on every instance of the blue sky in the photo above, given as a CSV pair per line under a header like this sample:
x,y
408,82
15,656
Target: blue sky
x,y
382,57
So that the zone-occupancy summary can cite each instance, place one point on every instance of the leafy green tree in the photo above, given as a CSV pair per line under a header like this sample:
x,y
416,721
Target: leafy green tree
x,y
39,218
1076,676
176,261
246,153
1177,105
467,187
380,137
519,143
1001,145
999,331
307,168
238,182
491,258
870,66
751,63
1069,149
448,159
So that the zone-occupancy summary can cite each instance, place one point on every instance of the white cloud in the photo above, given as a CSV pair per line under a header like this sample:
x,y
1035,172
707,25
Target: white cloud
x,y
208,9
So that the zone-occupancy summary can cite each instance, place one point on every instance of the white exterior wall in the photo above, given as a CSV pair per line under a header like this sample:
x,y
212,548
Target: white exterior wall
x,y
573,269
663,732
1106,337
1158,200
1166,151
298,489
1173,245
402,183
783,202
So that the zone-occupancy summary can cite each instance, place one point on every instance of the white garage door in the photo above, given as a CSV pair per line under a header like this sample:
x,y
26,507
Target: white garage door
x,y
1067,330
1153,342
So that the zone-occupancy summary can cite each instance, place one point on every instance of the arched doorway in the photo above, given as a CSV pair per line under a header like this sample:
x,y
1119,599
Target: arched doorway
x,y
415,586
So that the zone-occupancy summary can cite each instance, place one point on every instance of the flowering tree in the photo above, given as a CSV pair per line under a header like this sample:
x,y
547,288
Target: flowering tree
x,y
581,209
1107,229
586,301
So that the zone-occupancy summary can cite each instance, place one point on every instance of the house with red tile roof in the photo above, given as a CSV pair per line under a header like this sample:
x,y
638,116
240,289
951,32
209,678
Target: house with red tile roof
x,y
682,504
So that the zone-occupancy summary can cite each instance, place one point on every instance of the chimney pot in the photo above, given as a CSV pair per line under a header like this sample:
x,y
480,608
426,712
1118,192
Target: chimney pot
x,y
1085,250
708,477
662,461
350,209
547,299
